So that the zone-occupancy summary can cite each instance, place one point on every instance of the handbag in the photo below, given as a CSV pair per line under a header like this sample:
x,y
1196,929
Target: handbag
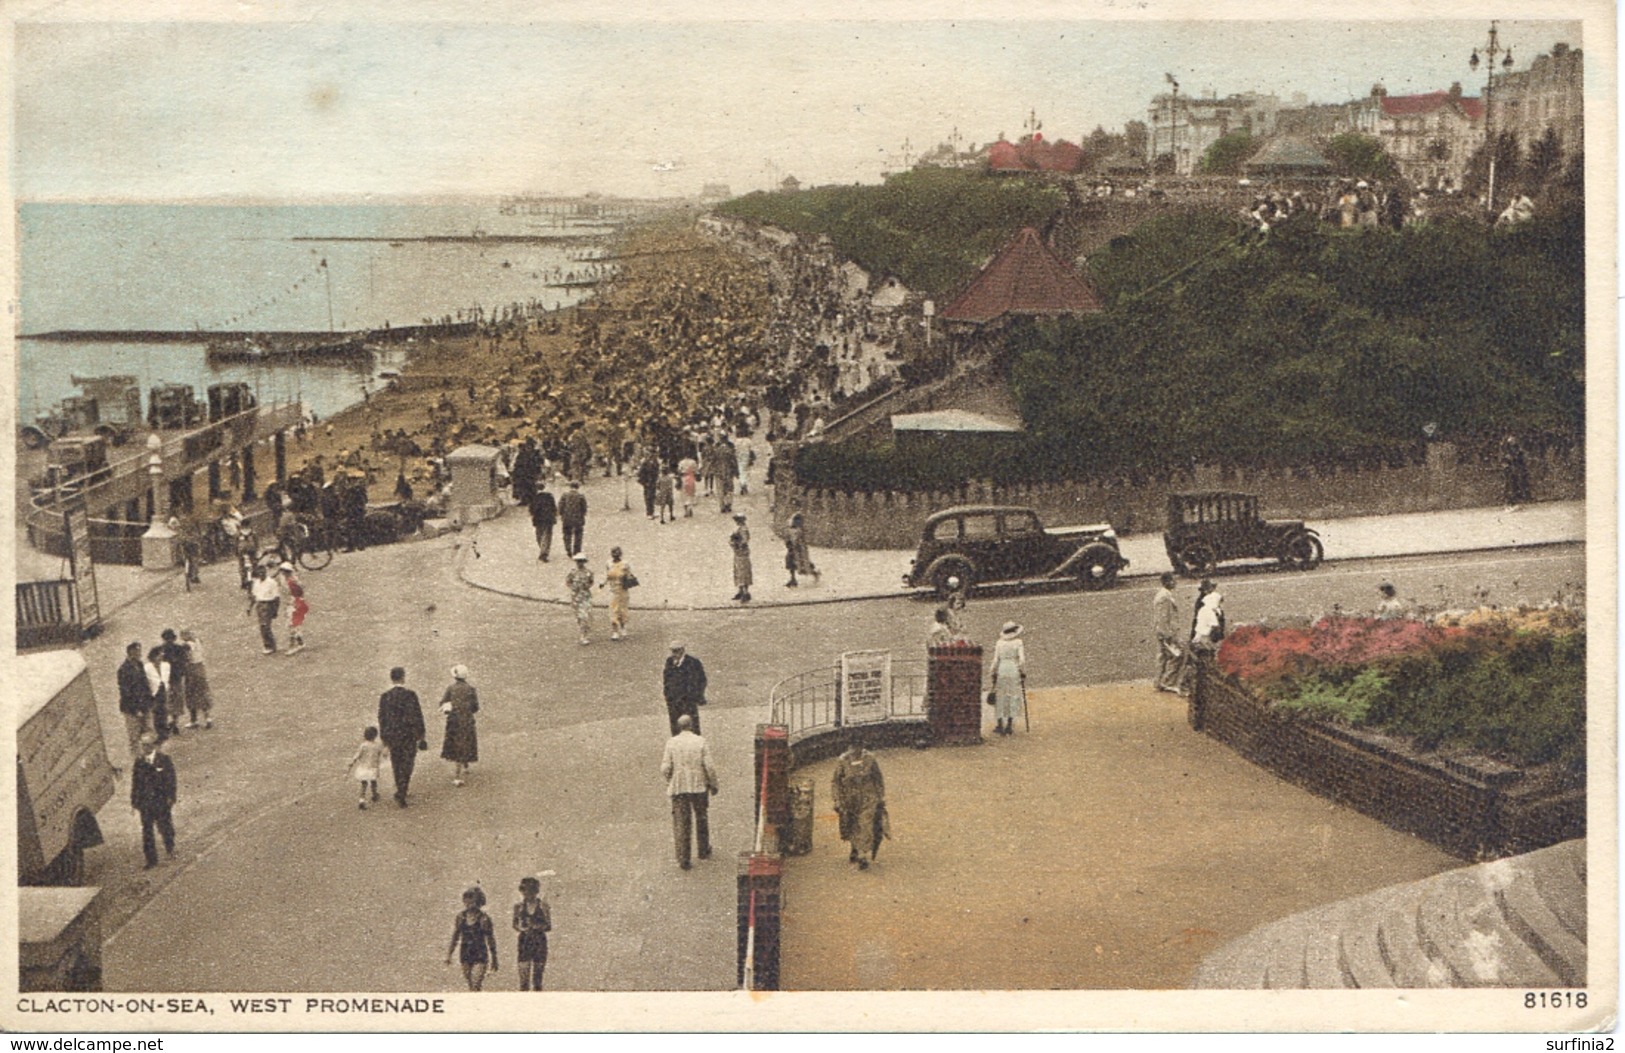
x,y
629,580
992,698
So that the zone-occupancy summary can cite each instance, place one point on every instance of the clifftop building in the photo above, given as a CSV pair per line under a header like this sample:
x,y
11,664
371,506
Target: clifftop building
x,y
1182,128
1549,94
1430,136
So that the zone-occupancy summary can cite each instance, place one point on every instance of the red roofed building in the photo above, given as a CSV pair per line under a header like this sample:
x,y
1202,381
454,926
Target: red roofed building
x,y
1033,154
1025,278
1430,136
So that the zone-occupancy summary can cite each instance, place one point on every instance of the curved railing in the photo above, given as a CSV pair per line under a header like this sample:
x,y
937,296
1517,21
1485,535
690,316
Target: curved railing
x,y
810,702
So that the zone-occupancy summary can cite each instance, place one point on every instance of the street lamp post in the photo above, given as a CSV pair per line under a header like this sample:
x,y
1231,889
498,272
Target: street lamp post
x,y
1490,50
158,543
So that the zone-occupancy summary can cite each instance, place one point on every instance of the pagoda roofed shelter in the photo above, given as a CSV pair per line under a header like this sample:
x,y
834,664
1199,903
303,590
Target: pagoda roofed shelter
x,y
1025,278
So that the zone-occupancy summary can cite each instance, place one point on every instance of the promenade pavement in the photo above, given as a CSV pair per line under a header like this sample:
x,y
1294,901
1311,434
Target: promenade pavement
x,y
688,565
568,783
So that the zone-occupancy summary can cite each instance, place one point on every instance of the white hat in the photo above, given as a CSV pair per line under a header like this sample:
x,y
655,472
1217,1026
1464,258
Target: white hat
x,y
459,672
1010,631
580,557
287,567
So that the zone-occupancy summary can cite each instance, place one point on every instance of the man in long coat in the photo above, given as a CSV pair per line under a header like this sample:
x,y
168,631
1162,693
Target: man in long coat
x,y
727,468
400,725
527,469
859,792
683,683
544,512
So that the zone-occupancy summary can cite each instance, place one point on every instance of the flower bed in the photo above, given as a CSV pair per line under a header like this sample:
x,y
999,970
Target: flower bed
x,y
1509,685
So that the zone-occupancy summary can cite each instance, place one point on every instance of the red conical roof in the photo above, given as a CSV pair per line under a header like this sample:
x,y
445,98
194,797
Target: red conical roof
x,y
1024,278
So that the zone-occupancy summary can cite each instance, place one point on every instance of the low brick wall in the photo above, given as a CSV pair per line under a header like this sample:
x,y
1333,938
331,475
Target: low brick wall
x,y
1473,809
1447,477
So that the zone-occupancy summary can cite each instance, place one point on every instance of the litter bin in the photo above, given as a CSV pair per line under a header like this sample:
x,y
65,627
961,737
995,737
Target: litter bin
x,y
798,838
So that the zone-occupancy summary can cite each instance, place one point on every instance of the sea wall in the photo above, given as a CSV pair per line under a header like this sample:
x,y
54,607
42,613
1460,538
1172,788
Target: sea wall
x,y
1447,477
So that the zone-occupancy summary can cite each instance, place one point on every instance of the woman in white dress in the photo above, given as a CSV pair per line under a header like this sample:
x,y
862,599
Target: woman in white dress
x,y
1008,672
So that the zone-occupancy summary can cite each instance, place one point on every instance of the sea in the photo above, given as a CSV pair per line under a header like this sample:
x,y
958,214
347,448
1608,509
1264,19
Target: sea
x,y
271,268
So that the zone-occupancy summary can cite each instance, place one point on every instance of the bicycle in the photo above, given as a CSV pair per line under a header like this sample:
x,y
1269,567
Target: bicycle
x,y
309,547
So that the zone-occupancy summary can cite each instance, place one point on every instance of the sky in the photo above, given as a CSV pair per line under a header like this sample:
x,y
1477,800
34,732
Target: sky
x,y
339,101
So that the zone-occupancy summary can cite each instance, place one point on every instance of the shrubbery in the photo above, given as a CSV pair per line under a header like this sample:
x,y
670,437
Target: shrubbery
x,y
1311,345
1494,685
931,228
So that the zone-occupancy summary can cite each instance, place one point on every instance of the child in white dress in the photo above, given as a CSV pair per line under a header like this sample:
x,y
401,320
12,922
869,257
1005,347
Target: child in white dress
x,y
364,765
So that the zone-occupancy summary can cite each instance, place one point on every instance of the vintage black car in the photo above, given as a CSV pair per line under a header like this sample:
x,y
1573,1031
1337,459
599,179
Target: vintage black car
x,y
1208,527
986,543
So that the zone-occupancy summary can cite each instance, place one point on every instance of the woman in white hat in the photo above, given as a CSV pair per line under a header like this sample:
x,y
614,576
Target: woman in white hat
x,y
1008,671
579,582
459,704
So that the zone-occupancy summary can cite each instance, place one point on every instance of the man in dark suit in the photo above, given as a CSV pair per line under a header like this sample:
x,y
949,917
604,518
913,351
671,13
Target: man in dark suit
x,y
544,511
400,725
134,697
684,684
152,795
572,517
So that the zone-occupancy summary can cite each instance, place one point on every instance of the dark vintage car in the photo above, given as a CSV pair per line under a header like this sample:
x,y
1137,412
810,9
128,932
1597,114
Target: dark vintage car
x,y
1208,527
987,543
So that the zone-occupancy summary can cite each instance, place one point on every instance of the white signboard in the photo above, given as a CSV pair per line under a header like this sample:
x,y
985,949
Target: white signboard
x,y
865,686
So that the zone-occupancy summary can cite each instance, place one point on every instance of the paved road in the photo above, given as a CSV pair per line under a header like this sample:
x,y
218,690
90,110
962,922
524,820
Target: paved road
x,y
281,883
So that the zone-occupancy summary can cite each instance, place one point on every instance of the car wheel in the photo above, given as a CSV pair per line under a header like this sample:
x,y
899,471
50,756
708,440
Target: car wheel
x,y
952,569
1302,552
1097,567
1196,560
34,438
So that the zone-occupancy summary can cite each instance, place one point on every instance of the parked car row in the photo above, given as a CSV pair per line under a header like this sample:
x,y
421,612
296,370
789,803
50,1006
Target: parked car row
x,y
975,545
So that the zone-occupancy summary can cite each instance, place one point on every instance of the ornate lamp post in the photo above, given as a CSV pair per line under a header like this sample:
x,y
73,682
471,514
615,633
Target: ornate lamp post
x,y
158,543
1490,50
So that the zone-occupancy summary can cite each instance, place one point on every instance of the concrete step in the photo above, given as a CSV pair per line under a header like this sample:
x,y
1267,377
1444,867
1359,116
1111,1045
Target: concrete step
x,y
1462,926
1493,925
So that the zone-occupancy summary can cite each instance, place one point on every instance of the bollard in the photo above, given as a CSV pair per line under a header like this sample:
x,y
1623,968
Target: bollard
x,y
798,838
772,773
953,694
759,904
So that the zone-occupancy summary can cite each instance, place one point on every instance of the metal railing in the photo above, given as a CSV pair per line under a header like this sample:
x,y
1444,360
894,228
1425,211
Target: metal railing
x,y
47,612
811,701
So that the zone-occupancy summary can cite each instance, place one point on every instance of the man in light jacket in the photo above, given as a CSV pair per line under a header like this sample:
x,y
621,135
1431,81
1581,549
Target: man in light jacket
x,y
690,782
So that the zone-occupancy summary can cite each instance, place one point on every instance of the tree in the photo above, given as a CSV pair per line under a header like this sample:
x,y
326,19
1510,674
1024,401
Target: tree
x,y
1508,167
1357,156
1545,161
1227,155
1135,137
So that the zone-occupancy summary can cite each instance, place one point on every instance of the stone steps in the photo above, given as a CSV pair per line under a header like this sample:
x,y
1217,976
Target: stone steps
x,y
1517,922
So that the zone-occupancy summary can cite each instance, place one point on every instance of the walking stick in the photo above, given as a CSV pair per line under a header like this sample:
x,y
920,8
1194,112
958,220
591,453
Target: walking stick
x,y
1026,717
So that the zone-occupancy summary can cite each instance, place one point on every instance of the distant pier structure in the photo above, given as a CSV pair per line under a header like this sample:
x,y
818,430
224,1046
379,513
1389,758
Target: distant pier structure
x,y
580,211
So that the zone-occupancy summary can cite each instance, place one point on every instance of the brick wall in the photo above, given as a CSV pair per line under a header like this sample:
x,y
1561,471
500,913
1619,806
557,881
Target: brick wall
x,y
1449,477
1472,809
